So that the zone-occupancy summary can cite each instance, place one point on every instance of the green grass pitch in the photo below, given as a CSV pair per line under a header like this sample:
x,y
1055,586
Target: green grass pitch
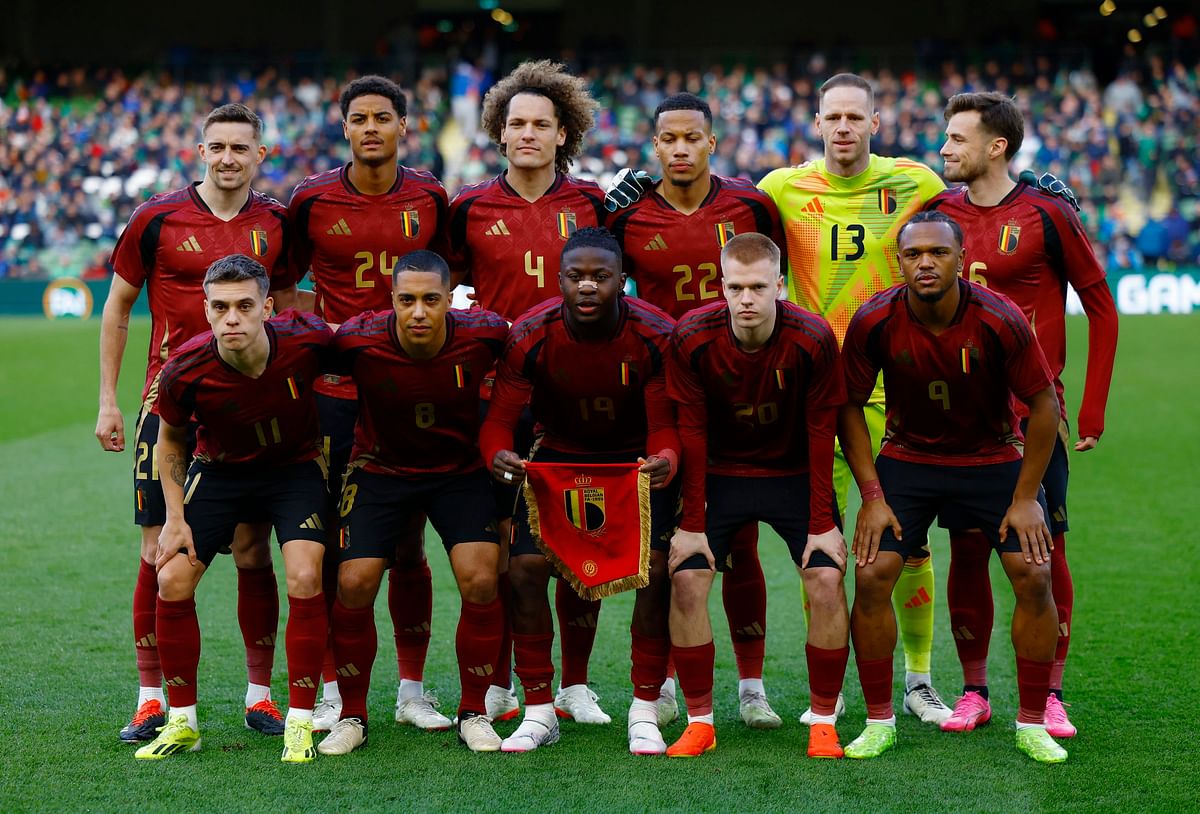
x,y
68,555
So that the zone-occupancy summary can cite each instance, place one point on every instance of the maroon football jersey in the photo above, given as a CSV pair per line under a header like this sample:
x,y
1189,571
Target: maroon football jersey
x,y
765,413
510,248
949,397
1028,247
419,416
587,396
270,420
351,241
674,258
170,242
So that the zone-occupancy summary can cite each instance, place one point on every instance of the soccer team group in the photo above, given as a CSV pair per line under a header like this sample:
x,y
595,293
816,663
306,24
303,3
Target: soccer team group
x,y
850,318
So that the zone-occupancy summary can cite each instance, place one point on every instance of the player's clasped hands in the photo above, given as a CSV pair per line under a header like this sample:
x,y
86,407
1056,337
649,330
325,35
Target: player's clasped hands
x,y
176,536
873,518
686,544
831,542
508,467
1026,519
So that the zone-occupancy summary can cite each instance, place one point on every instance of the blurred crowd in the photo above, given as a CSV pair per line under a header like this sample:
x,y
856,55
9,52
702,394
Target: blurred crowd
x,y
79,149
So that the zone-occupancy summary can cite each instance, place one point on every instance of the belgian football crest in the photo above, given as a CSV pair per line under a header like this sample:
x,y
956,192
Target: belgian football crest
x,y
585,505
410,222
970,357
725,231
1010,234
887,201
628,371
566,224
462,375
258,242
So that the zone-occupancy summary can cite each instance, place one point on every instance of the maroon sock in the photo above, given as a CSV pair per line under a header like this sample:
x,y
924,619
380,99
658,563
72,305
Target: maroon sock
x,y
1033,685
534,666
178,632
503,675
258,617
307,632
329,584
1064,600
649,656
695,666
875,676
354,644
145,638
744,595
826,672
577,618
410,600
477,642
969,599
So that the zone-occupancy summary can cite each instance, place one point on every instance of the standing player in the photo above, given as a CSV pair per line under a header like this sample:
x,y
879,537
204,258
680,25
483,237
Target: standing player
x,y
170,242
248,385
506,235
757,383
1026,244
593,362
418,367
350,226
672,239
954,358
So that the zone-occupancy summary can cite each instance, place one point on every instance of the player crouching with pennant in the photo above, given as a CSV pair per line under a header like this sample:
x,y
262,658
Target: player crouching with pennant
x,y
758,384
593,362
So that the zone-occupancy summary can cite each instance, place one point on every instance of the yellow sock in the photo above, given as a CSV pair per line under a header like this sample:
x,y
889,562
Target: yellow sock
x,y
913,600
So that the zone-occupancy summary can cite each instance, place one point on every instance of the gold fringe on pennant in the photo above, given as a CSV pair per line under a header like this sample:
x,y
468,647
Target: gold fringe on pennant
x,y
589,592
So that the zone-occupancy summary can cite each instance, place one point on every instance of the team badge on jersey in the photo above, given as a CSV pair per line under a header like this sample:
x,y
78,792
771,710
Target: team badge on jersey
x,y
782,377
628,372
970,357
566,224
1010,234
462,375
410,222
585,505
293,390
258,242
725,231
887,201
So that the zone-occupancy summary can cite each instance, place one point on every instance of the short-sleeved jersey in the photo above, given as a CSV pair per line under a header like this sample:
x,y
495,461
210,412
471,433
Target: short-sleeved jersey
x,y
509,247
675,258
754,406
587,396
950,396
418,416
271,420
841,232
170,242
1028,247
351,241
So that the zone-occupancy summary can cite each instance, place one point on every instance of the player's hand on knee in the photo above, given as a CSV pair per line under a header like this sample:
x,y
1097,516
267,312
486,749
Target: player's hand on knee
x,y
831,543
1026,519
1049,182
110,429
687,544
873,518
507,467
626,189
176,536
658,468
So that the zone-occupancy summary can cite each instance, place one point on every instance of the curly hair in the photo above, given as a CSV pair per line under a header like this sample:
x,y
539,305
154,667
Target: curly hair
x,y
574,106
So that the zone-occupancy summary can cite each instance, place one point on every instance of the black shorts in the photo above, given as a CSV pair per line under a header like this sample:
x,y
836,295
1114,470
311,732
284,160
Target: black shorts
x,y
149,507
377,511
960,497
664,503
336,417
780,502
523,438
217,498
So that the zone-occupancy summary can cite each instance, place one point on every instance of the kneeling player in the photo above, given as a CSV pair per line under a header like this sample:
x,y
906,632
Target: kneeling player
x,y
594,362
418,369
953,355
248,384
758,383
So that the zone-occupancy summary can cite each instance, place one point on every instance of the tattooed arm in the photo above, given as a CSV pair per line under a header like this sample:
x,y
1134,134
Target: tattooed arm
x,y
176,535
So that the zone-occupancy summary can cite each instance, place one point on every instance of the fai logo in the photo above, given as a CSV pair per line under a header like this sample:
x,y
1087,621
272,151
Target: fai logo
x,y
1010,235
585,505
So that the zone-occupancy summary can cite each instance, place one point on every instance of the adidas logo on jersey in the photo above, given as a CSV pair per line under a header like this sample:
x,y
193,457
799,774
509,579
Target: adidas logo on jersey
x,y
921,597
657,244
189,245
483,672
305,682
348,671
339,228
497,228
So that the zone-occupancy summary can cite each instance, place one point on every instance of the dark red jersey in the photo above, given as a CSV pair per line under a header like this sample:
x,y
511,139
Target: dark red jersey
x,y
1028,247
271,420
170,242
508,247
607,395
674,258
419,416
949,397
351,241
756,414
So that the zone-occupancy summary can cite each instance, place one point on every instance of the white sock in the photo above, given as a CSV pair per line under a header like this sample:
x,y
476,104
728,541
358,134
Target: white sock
x,y
542,713
823,719
641,711
668,687
746,685
884,721
256,693
700,719
190,712
330,694
1021,725
294,714
410,689
151,694
916,679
